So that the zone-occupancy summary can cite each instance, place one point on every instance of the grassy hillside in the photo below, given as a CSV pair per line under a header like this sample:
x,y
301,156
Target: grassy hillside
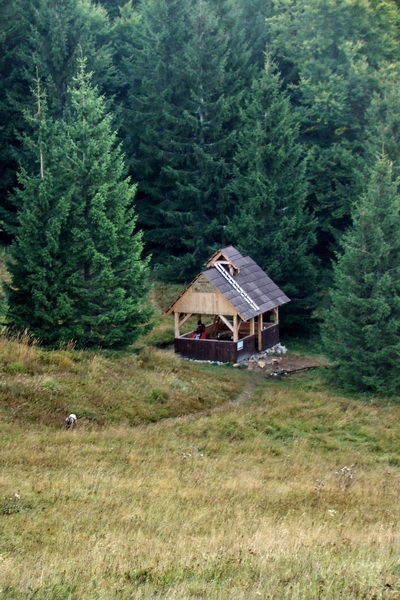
x,y
251,502
38,386
289,495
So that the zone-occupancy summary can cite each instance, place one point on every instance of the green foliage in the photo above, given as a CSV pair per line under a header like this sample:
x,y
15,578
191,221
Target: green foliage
x,y
61,31
382,132
45,37
175,76
180,131
122,38
112,6
81,278
362,327
330,54
107,277
270,188
251,20
15,24
36,299
43,386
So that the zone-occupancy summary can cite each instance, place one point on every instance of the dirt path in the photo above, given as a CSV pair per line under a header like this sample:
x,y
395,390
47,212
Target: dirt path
x,y
287,363
284,363
256,381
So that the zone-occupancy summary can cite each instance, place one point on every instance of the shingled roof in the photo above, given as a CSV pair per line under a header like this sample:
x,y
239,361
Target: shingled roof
x,y
250,291
245,286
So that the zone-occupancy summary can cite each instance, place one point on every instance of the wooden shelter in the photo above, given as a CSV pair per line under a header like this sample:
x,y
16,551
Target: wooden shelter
x,y
241,302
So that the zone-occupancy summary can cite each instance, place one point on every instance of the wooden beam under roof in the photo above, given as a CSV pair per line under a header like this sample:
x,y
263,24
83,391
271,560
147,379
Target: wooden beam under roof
x,y
227,323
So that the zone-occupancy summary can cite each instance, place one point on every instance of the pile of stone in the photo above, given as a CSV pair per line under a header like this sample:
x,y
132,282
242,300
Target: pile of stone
x,y
258,361
264,359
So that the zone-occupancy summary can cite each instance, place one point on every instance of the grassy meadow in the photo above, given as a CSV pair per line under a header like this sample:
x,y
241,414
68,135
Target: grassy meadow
x,y
291,494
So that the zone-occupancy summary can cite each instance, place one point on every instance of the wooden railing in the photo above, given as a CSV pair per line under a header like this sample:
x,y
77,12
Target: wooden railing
x,y
225,351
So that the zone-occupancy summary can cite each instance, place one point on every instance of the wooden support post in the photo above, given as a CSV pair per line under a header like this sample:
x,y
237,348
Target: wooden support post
x,y
240,323
275,312
235,328
259,331
252,326
177,315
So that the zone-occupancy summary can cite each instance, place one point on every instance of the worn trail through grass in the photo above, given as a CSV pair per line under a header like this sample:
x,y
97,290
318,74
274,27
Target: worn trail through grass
x,y
257,380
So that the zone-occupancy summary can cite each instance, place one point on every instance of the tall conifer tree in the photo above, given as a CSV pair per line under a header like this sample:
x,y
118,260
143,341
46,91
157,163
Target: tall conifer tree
x,y
107,275
270,189
60,31
15,24
330,54
251,20
48,36
362,327
382,132
36,297
181,132
96,258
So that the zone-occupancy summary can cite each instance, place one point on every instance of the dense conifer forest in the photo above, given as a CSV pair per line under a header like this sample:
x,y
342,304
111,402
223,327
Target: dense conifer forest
x,y
142,136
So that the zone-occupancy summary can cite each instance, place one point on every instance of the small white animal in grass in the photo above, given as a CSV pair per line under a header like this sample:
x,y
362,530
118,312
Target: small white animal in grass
x,y
70,421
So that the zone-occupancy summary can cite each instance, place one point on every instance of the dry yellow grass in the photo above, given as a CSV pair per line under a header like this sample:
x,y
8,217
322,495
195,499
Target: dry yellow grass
x,y
105,387
245,504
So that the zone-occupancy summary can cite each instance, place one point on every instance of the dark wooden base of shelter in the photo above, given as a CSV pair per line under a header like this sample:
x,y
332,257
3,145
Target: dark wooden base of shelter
x,y
224,350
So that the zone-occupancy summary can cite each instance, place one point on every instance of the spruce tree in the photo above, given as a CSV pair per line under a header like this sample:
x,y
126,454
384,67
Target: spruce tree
x,y
269,188
362,326
107,275
60,31
251,20
79,276
196,213
112,6
330,54
180,133
123,35
382,132
48,36
15,24
36,297
153,67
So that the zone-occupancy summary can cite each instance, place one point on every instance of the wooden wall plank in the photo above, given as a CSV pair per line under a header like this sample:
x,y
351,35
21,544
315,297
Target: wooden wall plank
x,y
211,303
